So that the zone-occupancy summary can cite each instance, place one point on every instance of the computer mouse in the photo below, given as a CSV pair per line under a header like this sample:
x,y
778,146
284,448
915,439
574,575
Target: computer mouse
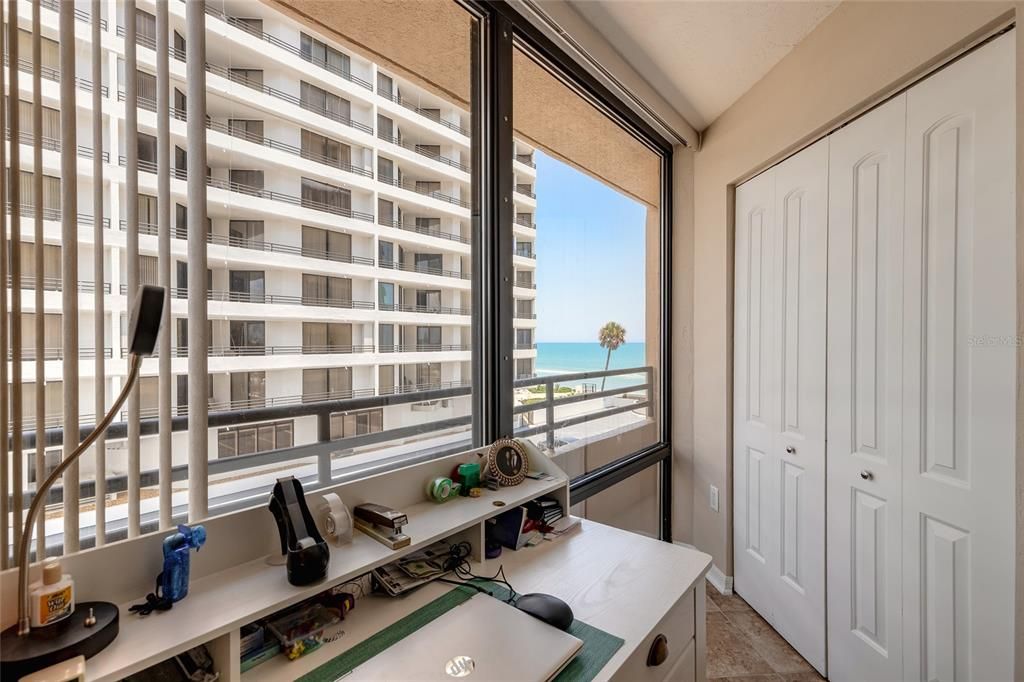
x,y
551,610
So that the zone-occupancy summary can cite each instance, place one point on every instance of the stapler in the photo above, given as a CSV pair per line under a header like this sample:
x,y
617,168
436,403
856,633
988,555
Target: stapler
x,y
307,553
383,524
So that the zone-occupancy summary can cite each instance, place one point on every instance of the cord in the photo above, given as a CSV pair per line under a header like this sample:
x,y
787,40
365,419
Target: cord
x,y
458,563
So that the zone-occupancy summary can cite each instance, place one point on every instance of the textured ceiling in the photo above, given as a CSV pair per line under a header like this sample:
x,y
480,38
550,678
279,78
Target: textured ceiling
x,y
701,56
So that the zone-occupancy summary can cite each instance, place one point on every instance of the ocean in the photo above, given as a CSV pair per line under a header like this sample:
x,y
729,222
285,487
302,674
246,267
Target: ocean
x,y
563,358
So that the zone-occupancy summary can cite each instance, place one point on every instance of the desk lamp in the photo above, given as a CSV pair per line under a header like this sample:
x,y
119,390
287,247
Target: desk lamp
x,y
93,625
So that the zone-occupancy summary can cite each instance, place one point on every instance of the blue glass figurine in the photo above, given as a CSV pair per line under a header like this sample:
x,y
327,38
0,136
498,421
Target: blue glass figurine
x,y
172,583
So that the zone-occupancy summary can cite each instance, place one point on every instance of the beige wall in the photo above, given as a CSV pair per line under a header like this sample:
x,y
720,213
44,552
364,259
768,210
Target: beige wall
x,y
858,54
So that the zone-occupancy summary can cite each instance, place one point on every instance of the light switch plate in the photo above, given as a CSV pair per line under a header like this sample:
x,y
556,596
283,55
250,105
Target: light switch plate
x,y
713,498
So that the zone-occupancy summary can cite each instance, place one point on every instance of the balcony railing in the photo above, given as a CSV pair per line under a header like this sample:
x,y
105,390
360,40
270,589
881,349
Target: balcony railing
x,y
249,190
275,299
29,354
260,351
525,315
423,269
53,144
426,348
420,229
80,14
422,151
526,222
258,245
526,346
51,74
292,407
57,284
277,42
53,214
527,190
526,253
525,284
427,113
411,186
526,159
433,309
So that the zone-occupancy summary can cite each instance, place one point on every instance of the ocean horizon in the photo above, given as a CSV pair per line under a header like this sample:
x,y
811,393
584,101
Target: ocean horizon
x,y
566,358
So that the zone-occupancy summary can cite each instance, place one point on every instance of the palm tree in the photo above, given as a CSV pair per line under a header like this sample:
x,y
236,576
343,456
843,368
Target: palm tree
x,y
612,335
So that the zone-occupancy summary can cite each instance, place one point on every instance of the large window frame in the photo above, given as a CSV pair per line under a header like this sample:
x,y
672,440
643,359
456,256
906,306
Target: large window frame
x,y
498,31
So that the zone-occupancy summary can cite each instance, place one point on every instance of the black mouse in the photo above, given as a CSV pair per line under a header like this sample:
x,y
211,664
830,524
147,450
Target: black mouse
x,y
551,610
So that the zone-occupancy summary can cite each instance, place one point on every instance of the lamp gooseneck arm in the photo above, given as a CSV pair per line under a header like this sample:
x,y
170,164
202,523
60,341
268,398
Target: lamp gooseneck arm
x,y
40,496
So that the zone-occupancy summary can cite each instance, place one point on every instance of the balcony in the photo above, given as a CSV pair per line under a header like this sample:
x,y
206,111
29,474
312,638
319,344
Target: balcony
x,y
525,252
411,186
275,299
249,190
80,14
422,269
29,354
261,351
53,214
525,315
526,222
50,74
57,284
425,113
525,284
426,348
526,160
526,346
526,190
433,309
419,149
52,144
429,231
257,245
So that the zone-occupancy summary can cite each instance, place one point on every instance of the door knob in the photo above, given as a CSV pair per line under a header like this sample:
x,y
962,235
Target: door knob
x,y
867,475
790,450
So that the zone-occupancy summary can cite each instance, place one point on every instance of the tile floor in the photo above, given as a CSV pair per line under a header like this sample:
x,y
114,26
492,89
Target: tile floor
x,y
742,646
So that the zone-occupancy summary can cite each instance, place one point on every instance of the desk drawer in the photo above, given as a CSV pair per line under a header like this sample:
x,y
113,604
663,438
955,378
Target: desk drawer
x,y
677,627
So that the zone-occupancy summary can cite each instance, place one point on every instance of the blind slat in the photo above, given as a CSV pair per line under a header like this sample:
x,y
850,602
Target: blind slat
x,y
69,266
131,138
17,454
5,477
40,266
163,150
198,435
99,301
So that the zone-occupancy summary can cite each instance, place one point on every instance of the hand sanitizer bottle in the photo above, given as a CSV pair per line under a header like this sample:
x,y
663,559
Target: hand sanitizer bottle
x,y
53,598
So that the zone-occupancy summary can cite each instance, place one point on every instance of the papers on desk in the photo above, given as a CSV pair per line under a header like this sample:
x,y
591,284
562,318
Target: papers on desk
x,y
562,526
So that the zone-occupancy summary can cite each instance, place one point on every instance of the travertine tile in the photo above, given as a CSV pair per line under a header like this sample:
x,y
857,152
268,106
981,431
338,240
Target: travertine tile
x,y
729,655
768,643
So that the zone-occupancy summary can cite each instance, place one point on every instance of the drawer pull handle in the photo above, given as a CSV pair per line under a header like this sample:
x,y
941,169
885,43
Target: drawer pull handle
x,y
659,651
790,450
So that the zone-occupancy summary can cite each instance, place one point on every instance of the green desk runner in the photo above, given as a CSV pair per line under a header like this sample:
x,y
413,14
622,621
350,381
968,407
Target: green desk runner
x,y
598,645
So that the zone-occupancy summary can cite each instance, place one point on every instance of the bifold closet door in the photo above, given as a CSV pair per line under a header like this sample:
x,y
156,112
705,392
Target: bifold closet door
x,y
865,323
921,380
779,411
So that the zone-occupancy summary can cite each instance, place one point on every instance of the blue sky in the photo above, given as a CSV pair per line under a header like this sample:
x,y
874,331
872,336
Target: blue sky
x,y
590,256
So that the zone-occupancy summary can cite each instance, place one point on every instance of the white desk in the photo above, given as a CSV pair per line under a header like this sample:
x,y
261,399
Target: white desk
x,y
625,584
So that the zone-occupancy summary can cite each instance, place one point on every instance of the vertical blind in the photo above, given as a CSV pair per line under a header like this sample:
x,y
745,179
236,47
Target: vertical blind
x,y
40,412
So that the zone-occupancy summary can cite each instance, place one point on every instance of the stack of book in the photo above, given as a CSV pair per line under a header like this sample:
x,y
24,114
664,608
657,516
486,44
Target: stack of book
x,y
525,525
544,510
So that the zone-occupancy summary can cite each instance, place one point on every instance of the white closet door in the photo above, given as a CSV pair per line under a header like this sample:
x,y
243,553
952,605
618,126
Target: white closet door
x,y
865,267
756,405
959,371
779,467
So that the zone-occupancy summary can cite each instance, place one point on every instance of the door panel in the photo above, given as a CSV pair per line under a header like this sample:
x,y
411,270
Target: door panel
x,y
865,263
959,370
780,430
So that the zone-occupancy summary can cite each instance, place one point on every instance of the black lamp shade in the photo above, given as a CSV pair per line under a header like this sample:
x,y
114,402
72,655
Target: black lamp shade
x,y
148,311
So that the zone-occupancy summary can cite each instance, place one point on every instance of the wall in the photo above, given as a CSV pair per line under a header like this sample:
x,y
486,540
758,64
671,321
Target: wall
x,y
857,55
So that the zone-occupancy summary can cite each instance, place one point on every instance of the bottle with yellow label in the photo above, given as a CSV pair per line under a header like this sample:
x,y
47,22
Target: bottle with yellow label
x,y
53,598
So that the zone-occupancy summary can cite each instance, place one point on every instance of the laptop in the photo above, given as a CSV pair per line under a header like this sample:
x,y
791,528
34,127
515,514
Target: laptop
x,y
481,639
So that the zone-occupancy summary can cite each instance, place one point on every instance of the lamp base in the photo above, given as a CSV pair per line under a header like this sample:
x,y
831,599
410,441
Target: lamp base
x,y
42,647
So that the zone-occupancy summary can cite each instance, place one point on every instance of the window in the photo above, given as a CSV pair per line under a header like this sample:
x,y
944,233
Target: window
x,y
149,272
51,459
385,85
386,212
248,337
247,129
386,170
386,253
248,286
251,440
51,266
51,196
386,338
247,180
428,262
146,88
326,337
325,150
249,25
250,77
50,129
428,301
50,49
386,379
324,55
326,290
428,338
386,295
330,383
324,103
147,204
327,244
248,389
320,195
347,424
247,233
386,128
